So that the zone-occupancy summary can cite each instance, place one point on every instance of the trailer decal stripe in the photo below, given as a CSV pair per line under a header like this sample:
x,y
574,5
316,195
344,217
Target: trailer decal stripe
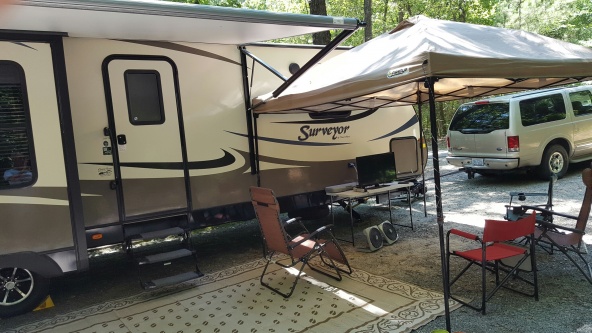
x,y
25,45
292,142
226,160
185,49
7,199
403,127
332,120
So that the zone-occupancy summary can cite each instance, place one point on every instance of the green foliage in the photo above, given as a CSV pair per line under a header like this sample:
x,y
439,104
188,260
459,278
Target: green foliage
x,y
568,20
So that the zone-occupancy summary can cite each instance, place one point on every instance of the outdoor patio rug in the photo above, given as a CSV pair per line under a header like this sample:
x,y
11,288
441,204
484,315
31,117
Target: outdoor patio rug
x,y
233,300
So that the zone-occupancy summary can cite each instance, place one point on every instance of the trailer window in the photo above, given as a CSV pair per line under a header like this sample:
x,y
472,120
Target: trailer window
x,y
144,97
16,150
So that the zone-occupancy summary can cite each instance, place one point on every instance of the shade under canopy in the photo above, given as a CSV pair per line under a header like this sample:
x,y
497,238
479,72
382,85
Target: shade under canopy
x,y
468,61
427,60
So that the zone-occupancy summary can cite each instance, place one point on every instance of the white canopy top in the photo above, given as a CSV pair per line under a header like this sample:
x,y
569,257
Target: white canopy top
x,y
161,20
468,61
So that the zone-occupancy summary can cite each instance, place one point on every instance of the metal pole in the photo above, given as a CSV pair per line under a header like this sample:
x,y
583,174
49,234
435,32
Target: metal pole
x,y
439,212
421,143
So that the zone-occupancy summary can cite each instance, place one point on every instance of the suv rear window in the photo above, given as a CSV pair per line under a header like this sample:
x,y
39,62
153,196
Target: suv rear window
x,y
542,110
481,118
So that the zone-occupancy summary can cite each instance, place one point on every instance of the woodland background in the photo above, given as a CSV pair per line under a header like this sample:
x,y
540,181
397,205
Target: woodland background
x,y
567,20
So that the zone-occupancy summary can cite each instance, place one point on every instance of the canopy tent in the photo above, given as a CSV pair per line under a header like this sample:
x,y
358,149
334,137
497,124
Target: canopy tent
x,y
469,61
427,60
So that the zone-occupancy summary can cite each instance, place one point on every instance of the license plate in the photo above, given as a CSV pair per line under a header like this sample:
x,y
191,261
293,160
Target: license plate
x,y
477,162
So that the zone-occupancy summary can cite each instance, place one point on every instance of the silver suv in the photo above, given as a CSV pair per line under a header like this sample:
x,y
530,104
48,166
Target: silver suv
x,y
543,130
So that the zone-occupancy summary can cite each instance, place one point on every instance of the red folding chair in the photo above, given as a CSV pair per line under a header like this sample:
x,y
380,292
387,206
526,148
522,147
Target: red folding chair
x,y
493,249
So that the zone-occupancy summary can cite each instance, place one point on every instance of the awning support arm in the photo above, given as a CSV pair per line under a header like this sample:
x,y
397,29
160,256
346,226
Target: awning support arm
x,y
262,63
314,60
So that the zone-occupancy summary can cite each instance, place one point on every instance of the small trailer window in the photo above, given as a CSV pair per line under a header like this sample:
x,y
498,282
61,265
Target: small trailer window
x,y
144,97
16,150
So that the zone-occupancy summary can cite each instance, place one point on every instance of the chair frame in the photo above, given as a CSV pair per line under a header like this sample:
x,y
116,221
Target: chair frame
x,y
301,247
551,235
515,212
496,242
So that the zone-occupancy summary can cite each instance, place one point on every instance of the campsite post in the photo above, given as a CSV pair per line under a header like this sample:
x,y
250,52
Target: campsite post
x,y
440,216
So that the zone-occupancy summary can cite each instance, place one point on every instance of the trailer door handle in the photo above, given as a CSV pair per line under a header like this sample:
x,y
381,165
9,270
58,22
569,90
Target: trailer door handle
x,y
113,184
121,139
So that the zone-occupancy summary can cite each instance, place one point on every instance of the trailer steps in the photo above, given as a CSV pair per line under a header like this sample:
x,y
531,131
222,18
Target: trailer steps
x,y
159,252
167,281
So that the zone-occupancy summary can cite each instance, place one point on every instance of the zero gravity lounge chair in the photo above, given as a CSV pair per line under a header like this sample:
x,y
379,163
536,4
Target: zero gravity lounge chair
x,y
300,248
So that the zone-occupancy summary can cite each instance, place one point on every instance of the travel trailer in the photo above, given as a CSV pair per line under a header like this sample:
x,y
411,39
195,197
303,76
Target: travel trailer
x,y
122,121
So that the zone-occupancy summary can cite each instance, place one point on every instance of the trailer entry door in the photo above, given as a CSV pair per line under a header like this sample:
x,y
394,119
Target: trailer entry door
x,y
146,129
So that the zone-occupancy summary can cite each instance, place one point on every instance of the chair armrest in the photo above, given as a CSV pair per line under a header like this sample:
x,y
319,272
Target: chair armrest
x,y
550,212
294,227
556,226
292,220
513,194
323,229
464,234
313,235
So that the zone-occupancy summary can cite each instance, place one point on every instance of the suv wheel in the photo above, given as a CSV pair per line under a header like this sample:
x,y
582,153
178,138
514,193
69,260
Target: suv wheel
x,y
554,162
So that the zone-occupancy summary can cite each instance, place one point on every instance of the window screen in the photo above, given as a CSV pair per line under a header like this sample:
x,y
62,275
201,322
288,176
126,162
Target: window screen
x,y
144,97
542,110
16,150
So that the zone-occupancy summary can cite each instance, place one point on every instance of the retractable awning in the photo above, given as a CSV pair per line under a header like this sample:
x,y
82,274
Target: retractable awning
x,y
467,60
162,21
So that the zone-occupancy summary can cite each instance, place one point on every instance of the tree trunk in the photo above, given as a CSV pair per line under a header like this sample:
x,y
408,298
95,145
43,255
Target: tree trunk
x,y
368,20
385,16
318,7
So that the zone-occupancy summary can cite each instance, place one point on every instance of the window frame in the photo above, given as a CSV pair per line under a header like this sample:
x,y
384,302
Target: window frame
x,y
588,110
4,185
160,97
536,101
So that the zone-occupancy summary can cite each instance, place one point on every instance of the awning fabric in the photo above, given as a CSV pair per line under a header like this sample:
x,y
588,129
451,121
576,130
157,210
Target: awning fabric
x,y
468,61
152,20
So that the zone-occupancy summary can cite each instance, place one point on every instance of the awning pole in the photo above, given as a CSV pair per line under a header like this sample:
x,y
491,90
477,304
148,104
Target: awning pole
x,y
440,215
253,154
421,143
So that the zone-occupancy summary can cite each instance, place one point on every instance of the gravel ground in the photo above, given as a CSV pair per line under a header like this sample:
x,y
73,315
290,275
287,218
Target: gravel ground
x,y
564,304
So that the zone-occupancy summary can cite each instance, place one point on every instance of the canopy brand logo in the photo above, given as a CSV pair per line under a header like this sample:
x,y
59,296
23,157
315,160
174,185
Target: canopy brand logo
x,y
335,132
397,72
